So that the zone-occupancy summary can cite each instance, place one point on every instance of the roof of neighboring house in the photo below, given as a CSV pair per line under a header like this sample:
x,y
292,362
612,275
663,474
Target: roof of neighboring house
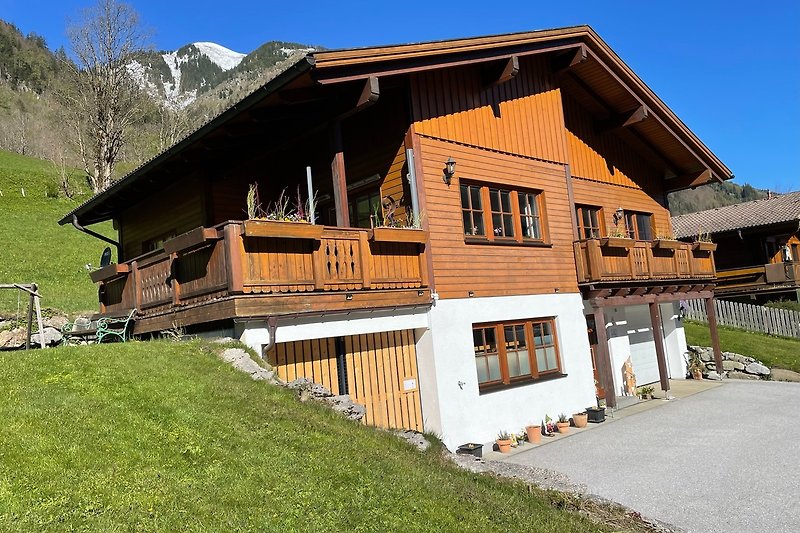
x,y
592,63
765,212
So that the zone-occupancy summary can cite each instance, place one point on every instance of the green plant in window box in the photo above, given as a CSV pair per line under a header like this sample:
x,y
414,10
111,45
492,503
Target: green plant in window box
x,y
616,238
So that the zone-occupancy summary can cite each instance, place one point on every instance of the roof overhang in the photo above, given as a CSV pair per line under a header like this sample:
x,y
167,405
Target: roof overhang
x,y
583,60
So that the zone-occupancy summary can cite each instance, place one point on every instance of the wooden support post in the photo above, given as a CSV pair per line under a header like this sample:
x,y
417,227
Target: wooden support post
x,y
30,322
176,286
658,339
339,177
603,359
37,304
233,255
711,312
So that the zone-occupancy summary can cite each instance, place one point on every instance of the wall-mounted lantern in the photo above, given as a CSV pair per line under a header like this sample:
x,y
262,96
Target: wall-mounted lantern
x,y
618,214
449,170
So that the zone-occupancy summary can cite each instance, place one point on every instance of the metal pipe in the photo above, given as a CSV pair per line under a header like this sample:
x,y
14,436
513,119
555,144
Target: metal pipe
x,y
272,328
311,216
412,182
93,233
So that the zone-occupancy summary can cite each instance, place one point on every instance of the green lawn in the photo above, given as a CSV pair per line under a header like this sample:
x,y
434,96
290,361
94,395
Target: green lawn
x,y
161,436
775,352
34,248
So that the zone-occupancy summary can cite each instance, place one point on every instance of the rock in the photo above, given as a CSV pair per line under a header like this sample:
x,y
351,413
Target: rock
x,y
52,336
757,368
713,375
223,340
732,365
14,338
781,374
55,321
240,360
706,356
711,365
742,375
414,438
345,405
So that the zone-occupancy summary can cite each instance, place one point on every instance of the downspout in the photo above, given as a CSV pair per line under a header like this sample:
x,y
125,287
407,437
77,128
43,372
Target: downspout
x,y
272,328
94,233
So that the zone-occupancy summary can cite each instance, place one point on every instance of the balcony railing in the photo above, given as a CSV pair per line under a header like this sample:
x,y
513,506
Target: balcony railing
x,y
759,278
264,258
625,260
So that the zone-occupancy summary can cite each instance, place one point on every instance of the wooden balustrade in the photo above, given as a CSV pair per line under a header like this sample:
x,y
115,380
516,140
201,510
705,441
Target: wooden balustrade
x,y
256,257
609,260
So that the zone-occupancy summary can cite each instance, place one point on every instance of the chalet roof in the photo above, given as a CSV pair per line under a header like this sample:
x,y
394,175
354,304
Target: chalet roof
x,y
765,212
594,69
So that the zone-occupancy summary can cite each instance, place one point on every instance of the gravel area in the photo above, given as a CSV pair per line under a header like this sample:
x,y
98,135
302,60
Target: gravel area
x,y
719,461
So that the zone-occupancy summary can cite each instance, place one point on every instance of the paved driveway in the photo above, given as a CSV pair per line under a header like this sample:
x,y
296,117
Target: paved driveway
x,y
727,459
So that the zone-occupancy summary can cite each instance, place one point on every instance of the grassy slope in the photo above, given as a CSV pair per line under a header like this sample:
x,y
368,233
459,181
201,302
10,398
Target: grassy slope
x,y
33,248
773,351
162,436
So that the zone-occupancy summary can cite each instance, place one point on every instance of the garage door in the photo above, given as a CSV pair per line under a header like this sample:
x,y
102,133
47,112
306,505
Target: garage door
x,y
377,370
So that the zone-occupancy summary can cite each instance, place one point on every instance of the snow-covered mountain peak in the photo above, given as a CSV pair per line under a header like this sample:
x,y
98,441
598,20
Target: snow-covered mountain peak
x,y
224,58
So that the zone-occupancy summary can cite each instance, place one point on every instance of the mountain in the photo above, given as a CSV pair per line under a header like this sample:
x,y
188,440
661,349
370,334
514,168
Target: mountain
x,y
711,196
180,76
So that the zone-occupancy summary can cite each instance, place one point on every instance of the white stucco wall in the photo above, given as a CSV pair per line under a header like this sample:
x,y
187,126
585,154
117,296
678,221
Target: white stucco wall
x,y
674,340
254,333
457,411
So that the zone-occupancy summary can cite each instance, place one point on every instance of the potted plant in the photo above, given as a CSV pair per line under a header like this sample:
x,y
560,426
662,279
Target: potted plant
x,y
548,427
666,241
596,414
503,442
471,448
617,239
563,423
647,392
695,366
281,219
534,433
580,419
702,242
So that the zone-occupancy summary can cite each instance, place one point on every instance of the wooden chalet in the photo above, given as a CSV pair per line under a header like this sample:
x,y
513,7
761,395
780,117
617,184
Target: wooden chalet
x,y
538,164
758,246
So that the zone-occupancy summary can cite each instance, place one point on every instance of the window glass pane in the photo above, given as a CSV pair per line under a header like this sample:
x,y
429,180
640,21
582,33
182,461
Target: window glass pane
x,y
483,369
508,225
505,197
464,197
497,224
494,367
643,225
541,359
475,193
494,198
477,225
513,364
468,229
550,352
524,363
593,218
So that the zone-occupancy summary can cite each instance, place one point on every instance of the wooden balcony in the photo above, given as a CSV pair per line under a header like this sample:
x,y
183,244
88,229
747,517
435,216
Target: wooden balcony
x,y
260,268
775,277
611,261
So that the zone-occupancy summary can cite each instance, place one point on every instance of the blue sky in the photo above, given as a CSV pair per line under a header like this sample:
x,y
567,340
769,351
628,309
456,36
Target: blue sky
x,y
729,69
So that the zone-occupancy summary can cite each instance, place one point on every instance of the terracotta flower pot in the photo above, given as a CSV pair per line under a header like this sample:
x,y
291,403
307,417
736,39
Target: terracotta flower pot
x,y
563,427
580,420
504,445
534,434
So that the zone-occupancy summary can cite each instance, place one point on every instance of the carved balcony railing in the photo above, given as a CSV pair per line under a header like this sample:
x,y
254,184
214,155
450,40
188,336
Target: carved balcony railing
x,y
264,258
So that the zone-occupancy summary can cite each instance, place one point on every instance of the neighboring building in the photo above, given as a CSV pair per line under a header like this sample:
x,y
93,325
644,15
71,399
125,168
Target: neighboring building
x,y
523,156
758,246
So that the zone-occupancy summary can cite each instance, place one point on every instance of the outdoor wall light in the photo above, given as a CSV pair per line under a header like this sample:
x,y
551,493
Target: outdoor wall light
x,y
348,296
471,294
449,170
618,214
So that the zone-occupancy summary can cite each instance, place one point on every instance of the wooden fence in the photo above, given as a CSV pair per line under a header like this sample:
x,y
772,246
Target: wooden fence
x,y
768,320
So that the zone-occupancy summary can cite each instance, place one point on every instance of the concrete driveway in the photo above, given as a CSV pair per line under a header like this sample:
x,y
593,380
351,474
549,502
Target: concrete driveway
x,y
727,459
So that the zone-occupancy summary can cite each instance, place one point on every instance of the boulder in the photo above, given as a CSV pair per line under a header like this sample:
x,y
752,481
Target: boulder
x,y
52,336
415,438
13,338
757,368
732,365
55,321
713,375
240,360
742,375
345,405
706,355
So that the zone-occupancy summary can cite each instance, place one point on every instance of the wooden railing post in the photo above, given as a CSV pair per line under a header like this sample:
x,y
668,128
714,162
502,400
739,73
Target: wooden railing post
x,y
173,271
233,256
137,286
366,258
318,263
423,265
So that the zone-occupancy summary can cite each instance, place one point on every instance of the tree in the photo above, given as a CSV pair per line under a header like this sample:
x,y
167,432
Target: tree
x,y
102,97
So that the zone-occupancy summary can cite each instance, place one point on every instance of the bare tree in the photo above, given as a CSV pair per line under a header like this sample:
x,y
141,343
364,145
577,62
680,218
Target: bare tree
x,y
102,97
174,123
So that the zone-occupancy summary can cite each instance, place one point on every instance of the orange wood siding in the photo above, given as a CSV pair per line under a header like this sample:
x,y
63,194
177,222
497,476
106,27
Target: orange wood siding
x,y
604,157
178,208
610,197
522,116
495,270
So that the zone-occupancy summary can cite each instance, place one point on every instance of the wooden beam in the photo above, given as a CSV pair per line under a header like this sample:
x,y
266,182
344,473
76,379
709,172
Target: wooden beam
x,y
603,359
623,120
571,197
570,59
658,339
370,92
497,73
691,180
711,312
339,177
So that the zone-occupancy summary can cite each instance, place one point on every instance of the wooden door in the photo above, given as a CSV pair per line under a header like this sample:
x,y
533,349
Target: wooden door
x,y
592,332
377,370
